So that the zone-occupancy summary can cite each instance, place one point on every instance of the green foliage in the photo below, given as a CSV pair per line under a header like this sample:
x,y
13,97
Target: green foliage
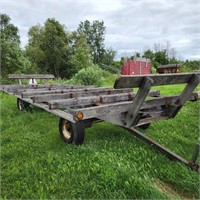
x,y
95,36
92,75
33,50
148,54
191,65
137,55
81,57
49,48
117,64
161,57
108,56
13,59
153,70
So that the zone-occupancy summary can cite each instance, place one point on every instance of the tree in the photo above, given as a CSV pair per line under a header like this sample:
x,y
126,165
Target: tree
x,y
136,55
55,45
81,57
161,58
109,56
49,48
95,36
148,54
34,50
12,57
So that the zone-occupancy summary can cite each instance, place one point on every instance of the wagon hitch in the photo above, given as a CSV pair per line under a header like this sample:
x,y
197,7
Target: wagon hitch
x,y
171,155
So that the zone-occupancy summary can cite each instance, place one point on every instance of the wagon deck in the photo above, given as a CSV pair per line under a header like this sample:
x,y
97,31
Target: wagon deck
x,y
79,106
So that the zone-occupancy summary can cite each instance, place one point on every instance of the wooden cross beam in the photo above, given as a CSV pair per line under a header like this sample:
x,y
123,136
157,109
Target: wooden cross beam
x,y
174,108
138,101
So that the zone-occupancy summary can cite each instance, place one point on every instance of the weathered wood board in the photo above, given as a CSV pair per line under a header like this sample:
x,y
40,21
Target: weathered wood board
x,y
31,76
158,79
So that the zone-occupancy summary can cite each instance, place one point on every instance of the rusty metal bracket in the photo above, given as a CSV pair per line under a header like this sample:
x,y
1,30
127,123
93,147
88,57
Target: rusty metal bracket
x,y
171,155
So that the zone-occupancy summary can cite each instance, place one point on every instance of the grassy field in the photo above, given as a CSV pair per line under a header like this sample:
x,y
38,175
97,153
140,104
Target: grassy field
x,y
111,164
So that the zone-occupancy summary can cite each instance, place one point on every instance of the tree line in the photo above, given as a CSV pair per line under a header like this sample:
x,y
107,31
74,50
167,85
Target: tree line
x,y
51,48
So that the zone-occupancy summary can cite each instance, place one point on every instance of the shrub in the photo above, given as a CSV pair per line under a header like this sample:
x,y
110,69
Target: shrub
x,y
92,75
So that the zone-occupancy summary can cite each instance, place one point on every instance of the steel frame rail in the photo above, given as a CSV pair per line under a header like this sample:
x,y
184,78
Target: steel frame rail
x,y
171,155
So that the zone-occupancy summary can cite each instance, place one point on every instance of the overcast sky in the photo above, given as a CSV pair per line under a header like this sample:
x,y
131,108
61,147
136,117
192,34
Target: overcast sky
x,y
131,26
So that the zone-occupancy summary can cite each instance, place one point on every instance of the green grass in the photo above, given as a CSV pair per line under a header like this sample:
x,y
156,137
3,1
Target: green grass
x,y
111,164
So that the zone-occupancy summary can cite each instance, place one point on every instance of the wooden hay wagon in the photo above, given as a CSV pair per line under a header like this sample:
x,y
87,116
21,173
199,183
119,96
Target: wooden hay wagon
x,y
80,106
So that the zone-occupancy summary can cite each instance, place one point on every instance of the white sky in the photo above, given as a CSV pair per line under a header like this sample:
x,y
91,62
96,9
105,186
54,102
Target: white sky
x,y
131,25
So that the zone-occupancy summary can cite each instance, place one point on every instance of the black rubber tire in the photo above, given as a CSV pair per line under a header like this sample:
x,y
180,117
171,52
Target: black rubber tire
x,y
22,105
71,132
145,126
79,132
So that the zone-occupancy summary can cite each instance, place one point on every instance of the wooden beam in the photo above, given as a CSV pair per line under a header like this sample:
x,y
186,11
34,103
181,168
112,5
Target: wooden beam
x,y
138,101
151,119
30,76
76,94
51,88
60,91
23,88
154,93
57,112
56,104
174,108
123,107
92,100
158,79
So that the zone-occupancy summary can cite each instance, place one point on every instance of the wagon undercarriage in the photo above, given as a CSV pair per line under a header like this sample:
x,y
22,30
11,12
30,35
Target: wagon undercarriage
x,y
80,106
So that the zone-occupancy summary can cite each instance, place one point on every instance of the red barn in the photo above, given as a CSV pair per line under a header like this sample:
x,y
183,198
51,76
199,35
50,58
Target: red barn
x,y
137,66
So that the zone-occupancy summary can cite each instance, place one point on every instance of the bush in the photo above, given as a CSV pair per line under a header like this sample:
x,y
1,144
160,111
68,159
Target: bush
x,y
92,75
153,70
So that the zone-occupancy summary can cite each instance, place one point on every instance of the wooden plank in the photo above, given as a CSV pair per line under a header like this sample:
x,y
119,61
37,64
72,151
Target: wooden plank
x,y
49,97
57,104
51,88
36,93
158,79
11,88
31,76
154,93
83,101
138,101
76,94
151,119
17,89
57,112
122,107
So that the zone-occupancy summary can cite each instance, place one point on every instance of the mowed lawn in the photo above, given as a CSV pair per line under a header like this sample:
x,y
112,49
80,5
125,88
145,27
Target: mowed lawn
x,y
111,164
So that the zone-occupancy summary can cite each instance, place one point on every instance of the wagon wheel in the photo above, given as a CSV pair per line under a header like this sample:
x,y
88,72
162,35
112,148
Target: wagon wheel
x,y
145,126
71,132
22,105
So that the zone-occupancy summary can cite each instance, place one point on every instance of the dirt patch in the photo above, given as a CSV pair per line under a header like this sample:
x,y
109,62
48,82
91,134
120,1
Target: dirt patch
x,y
170,190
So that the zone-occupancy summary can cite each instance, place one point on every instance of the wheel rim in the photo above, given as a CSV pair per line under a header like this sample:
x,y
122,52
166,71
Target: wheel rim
x,y
20,105
66,129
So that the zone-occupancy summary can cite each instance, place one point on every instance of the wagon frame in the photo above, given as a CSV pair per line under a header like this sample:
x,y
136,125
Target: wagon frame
x,y
80,106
